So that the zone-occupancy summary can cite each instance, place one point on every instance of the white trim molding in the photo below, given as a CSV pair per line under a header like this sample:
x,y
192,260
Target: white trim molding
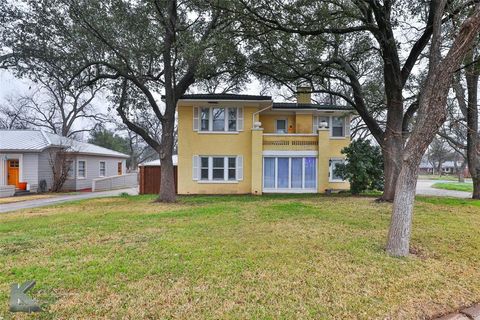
x,y
290,153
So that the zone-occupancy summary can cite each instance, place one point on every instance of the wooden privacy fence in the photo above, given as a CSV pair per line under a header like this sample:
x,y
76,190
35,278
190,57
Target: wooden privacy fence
x,y
150,179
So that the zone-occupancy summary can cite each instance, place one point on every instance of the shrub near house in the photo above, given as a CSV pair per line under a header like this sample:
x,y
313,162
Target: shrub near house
x,y
363,167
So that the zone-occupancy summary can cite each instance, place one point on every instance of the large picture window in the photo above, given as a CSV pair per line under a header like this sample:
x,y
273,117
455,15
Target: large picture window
x,y
284,174
219,119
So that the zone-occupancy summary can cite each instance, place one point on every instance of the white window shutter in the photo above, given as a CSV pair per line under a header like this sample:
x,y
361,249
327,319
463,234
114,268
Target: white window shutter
x,y
196,167
239,168
195,118
315,124
240,119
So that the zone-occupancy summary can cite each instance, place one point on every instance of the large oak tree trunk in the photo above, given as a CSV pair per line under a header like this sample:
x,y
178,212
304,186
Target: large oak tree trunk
x,y
401,223
473,138
432,114
393,144
392,155
167,182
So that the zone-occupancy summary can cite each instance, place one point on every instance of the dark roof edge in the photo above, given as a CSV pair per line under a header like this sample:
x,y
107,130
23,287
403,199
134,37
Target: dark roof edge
x,y
310,106
229,96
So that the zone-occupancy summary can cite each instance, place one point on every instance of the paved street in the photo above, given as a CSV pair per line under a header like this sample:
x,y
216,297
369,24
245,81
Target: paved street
x,y
424,187
63,198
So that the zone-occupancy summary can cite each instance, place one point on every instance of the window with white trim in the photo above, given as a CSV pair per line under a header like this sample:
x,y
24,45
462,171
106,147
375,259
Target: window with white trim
x,y
338,126
319,119
102,169
81,169
71,169
281,125
334,177
218,119
218,168
289,173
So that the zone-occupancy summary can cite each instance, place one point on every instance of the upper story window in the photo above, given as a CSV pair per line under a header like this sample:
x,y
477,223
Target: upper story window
x,y
281,126
217,119
338,126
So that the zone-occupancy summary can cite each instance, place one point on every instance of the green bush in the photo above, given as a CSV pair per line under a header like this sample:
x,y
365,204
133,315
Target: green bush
x,y
363,167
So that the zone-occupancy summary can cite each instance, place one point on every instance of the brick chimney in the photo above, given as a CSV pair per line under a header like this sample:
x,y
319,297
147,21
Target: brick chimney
x,y
304,94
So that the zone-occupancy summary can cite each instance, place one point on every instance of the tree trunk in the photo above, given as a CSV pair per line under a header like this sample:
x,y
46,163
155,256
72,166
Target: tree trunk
x,y
401,223
392,148
167,183
432,114
473,136
391,157
476,188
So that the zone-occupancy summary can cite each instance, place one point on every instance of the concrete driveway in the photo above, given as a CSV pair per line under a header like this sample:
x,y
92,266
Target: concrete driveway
x,y
424,187
8,207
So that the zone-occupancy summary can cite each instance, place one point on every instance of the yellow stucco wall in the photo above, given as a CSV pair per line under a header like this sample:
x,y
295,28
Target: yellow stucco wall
x,y
329,149
191,143
268,121
303,123
246,143
297,123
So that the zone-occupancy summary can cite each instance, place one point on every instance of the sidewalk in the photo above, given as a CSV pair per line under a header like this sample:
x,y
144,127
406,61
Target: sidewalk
x,y
424,187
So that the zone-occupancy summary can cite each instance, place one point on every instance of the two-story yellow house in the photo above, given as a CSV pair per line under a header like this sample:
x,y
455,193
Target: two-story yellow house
x,y
237,144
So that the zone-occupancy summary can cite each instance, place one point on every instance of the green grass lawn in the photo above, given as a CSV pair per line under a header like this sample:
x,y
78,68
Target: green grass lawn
x,y
240,257
457,186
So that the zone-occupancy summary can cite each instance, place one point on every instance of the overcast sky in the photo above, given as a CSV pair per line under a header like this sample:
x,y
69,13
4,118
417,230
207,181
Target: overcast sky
x,y
9,85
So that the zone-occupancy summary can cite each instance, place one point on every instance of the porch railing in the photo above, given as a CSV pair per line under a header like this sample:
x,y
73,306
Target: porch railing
x,y
287,142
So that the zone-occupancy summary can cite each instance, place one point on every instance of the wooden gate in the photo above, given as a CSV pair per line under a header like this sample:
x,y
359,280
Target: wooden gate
x,y
150,179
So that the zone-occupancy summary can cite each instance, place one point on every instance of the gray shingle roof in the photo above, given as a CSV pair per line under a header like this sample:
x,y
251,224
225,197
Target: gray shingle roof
x,y
37,141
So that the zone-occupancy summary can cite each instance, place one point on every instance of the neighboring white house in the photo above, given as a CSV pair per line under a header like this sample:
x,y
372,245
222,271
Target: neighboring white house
x,y
26,160
448,167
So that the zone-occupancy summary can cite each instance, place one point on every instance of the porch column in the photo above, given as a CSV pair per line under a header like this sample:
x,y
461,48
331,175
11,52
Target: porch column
x,y
3,169
257,160
323,159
